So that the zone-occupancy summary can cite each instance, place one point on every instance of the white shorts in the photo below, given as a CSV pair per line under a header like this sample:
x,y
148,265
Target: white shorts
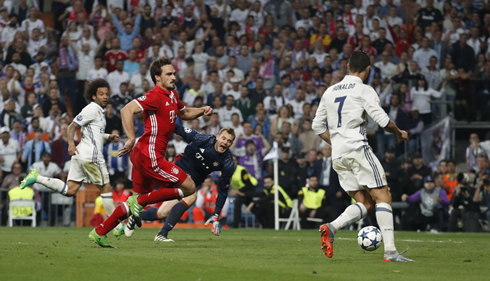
x,y
359,169
89,172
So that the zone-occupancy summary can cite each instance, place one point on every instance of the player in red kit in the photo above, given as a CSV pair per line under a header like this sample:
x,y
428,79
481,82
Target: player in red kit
x,y
161,107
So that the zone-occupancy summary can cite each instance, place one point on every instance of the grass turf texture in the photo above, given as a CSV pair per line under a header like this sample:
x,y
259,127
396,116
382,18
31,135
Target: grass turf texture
x,y
244,254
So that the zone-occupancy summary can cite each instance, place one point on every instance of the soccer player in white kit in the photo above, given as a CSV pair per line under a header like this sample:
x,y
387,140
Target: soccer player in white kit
x,y
341,121
87,161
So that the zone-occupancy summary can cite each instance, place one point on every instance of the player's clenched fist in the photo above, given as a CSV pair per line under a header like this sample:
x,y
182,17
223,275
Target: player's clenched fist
x,y
207,110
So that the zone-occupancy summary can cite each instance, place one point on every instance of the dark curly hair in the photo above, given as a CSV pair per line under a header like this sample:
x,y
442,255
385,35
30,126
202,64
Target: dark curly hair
x,y
94,86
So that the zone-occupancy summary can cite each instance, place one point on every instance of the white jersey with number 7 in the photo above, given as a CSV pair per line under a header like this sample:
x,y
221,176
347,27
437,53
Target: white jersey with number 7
x,y
342,110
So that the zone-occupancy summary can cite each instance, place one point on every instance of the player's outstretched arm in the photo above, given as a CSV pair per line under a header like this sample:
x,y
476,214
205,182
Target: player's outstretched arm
x,y
193,113
127,117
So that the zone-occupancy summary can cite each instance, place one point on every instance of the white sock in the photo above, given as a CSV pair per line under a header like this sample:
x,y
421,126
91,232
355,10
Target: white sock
x,y
53,184
384,216
108,202
351,214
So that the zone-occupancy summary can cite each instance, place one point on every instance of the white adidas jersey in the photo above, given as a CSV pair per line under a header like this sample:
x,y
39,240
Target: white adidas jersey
x,y
342,111
92,120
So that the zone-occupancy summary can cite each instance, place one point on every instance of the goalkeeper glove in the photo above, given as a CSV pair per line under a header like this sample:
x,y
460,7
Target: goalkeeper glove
x,y
216,230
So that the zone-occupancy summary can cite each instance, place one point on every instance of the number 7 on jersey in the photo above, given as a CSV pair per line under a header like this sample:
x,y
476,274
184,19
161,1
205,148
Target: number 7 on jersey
x,y
340,100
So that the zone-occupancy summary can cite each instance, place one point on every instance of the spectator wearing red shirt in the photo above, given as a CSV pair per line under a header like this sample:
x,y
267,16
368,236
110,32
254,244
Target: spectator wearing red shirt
x,y
114,54
120,194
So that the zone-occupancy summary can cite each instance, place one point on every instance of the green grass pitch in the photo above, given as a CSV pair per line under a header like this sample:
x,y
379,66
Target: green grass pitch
x,y
238,254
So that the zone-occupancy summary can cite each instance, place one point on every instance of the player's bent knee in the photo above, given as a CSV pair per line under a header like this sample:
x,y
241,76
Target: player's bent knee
x,y
191,199
188,187
72,188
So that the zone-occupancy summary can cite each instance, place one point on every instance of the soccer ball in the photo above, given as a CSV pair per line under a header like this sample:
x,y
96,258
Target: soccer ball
x,y
369,238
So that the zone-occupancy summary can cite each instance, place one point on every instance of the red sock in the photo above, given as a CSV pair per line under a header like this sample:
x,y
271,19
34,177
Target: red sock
x,y
160,195
112,221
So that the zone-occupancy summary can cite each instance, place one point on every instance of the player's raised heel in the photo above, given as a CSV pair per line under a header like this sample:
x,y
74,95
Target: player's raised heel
x,y
131,226
30,179
162,238
134,206
326,240
99,240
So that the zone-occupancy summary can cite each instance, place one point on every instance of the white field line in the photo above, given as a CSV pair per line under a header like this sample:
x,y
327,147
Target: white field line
x,y
410,240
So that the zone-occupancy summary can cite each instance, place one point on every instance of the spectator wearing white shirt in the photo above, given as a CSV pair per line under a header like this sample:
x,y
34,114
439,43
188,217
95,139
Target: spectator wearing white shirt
x,y
87,38
393,19
117,77
32,22
232,63
387,68
97,72
305,21
423,55
9,32
226,112
240,13
235,88
191,93
138,78
17,64
421,98
474,42
297,103
45,168
258,14
35,42
200,60
9,151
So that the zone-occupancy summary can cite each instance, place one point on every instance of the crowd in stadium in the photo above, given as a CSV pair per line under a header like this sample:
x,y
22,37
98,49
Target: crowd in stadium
x,y
263,67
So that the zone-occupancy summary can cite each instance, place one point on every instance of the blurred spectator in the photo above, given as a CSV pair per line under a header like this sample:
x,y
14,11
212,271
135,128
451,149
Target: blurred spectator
x,y
14,178
60,145
308,139
117,166
431,202
9,151
243,185
9,115
464,218
482,196
245,104
450,179
313,202
226,112
263,207
473,151
34,148
421,97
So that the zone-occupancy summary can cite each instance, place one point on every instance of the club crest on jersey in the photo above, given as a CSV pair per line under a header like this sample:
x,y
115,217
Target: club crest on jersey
x,y
175,171
187,130
142,98
79,118
215,163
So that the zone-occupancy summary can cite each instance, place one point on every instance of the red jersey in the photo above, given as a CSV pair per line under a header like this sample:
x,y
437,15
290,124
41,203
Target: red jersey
x,y
160,113
112,56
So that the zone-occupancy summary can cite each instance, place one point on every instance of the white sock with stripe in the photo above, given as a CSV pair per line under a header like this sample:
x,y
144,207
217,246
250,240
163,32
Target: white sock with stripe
x,y
351,214
53,184
108,202
384,216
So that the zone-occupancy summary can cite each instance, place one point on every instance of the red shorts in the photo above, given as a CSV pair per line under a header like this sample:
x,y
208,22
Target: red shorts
x,y
148,173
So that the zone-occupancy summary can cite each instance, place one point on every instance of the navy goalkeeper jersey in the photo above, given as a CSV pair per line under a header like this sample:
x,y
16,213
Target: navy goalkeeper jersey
x,y
200,158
